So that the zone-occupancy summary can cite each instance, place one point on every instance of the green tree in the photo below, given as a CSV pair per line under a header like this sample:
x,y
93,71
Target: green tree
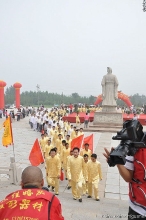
x,y
10,95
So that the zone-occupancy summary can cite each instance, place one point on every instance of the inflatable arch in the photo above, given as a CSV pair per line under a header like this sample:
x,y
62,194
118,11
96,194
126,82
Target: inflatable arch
x,y
122,96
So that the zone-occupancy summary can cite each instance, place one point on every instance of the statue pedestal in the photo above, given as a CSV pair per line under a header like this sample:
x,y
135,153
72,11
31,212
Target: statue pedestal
x,y
109,108
107,121
108,118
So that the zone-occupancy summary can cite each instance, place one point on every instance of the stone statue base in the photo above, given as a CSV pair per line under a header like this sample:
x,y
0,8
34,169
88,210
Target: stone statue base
x,y
109,108
108,118
107,121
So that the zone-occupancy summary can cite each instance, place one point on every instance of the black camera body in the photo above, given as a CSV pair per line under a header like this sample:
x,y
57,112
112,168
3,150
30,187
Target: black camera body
x,y
132,137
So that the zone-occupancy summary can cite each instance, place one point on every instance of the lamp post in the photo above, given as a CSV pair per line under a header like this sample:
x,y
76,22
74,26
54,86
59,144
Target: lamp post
x,y
38,90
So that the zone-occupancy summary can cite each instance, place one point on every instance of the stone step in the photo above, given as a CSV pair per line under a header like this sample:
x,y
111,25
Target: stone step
x,y
102,129
111,125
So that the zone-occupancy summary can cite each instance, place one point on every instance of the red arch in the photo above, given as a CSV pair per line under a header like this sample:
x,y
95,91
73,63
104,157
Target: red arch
x,y
122,96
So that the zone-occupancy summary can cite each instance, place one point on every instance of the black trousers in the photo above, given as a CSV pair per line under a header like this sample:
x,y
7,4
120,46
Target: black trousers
x,y
132,215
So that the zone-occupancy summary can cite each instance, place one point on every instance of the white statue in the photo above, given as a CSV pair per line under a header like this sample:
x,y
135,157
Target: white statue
x,y
109,88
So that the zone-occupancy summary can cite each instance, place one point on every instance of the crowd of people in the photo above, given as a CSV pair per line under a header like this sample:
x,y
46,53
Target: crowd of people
x,y
80,167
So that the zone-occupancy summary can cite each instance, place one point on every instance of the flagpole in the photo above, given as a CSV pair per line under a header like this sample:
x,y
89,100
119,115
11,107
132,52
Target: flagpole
x,y
82,142
13,151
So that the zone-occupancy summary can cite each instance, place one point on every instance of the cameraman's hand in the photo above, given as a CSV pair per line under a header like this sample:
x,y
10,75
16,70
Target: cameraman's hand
x,y
107,153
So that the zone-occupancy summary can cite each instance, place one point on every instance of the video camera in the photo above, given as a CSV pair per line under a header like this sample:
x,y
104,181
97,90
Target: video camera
x,y
132,137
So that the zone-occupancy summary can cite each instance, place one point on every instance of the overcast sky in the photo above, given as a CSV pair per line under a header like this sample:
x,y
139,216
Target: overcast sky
x,y
66,45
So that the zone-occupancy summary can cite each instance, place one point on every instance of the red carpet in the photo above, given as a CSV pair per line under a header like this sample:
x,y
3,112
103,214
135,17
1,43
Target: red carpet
x,y
72,117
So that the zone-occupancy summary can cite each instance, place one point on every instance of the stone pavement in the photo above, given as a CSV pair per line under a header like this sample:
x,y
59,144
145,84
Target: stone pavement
x,y
112,189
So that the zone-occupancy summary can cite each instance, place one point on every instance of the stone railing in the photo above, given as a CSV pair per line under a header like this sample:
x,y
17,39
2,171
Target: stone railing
x,y
10,175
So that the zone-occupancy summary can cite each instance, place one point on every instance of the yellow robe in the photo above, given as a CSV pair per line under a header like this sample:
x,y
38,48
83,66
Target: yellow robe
x,y
94,171
73,135
89,153
53,134
75,168
53,169
69,142
61,132
59,145
65,154
77,119
42,144
85,170
75,174
80,133
47,150
46,139
85,185
93,176
53,166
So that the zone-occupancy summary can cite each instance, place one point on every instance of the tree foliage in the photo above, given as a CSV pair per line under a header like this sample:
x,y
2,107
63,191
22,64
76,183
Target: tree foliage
x,y
46,98
10,95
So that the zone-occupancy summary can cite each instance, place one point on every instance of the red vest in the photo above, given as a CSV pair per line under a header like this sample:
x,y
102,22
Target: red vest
x,y
137,187
26,204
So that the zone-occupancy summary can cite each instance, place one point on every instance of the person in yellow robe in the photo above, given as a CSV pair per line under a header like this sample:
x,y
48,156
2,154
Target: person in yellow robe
x,y
47,148
59,143
46,137
68,140
85,184
94,174
53,169
86,150
65,125
65,154
54,136
76,134
73,133
61,151
59,131
68,126
42,143
83,109
80,132
75,174
77,119
71,154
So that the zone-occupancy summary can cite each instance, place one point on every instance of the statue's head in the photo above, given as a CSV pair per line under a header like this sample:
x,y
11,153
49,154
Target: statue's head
x,y
109,70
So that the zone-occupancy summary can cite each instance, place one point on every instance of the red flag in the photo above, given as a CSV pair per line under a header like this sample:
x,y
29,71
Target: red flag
x,y
35,156
77,142
61,175
89,140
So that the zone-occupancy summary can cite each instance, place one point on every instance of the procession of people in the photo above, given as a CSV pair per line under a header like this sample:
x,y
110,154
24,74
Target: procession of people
x,y
79,164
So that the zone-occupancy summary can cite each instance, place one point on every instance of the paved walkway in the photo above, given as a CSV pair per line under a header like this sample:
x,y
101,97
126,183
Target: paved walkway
x,y
112,189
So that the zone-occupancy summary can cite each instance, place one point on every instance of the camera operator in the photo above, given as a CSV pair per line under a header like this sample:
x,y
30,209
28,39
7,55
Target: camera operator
x,y
134,172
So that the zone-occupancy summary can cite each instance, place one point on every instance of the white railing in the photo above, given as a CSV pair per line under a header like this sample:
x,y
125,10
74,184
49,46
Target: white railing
x,y
10,175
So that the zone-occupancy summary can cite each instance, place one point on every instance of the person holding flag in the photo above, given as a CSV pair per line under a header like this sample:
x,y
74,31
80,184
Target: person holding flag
x,y
47,148
86,150
42,142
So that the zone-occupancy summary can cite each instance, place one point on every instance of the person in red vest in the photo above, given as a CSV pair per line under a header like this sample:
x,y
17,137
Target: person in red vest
x,y
32,201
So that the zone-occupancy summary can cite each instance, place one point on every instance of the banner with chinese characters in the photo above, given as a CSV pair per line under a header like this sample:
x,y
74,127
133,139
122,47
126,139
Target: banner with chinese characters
x,y
7,138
